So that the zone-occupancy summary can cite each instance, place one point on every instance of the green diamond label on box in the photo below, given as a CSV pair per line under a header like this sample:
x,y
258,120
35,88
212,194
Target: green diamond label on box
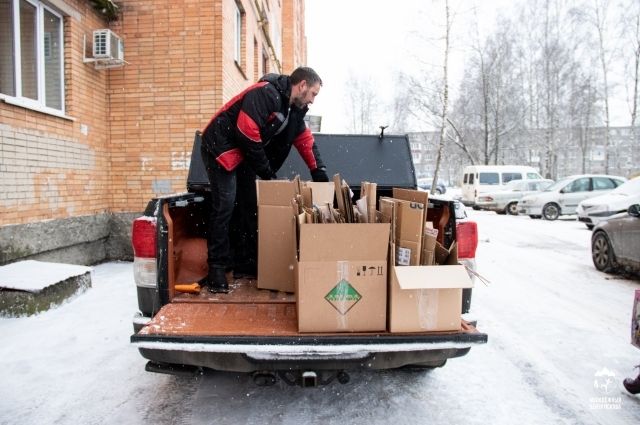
x,y
343,297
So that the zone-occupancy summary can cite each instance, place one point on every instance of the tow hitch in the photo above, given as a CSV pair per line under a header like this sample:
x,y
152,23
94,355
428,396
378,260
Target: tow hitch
x,y
306,378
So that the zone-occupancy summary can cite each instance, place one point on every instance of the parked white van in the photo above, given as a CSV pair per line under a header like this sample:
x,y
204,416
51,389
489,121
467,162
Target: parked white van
x,y
478,179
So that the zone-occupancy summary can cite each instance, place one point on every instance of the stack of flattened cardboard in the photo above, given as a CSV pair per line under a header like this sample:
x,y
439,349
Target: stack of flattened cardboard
x,y
425,279
341,271
276,231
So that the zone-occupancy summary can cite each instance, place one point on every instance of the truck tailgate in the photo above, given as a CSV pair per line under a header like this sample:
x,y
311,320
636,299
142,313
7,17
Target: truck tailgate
x,y
269,331
250,329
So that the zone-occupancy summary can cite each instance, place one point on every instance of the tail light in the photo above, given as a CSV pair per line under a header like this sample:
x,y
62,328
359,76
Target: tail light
x,y
467,232
144,242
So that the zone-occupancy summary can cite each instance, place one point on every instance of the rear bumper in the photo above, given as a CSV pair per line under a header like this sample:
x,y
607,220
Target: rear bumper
x,y
489,206
529,210
248,354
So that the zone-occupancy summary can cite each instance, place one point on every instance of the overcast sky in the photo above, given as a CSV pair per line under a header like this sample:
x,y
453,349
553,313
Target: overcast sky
x,y
374,39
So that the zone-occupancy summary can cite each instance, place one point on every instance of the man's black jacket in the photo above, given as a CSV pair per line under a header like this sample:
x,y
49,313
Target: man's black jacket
x,y
260,126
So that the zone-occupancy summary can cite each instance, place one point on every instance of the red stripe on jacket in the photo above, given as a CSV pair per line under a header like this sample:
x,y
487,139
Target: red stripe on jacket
x,y
304,144
230,159
248,127
235,99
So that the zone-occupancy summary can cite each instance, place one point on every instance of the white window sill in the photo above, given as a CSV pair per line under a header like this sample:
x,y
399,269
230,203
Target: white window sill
x,y
34,107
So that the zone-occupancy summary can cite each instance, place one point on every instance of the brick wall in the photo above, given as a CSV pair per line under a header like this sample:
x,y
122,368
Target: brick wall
x,y
181,70
294,42
49,167
129,131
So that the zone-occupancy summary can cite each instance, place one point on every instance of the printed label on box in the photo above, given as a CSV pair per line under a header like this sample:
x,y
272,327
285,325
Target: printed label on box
x,y
369,271
343,297
403,256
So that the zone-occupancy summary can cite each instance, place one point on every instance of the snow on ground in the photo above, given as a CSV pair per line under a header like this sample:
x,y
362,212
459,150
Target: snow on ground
x,y
34,276
555,325
74,364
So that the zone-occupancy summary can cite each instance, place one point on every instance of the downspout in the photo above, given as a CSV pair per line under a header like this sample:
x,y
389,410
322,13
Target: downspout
x,y
262,22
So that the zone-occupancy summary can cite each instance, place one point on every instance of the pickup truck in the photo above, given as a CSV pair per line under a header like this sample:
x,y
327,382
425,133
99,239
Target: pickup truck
x,y
253,330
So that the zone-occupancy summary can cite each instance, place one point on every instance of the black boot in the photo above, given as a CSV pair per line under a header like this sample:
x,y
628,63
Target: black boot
x,y
632,385
247,270
217,280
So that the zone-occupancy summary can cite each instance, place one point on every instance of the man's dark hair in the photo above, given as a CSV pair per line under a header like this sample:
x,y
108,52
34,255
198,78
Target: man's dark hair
x,y
305,73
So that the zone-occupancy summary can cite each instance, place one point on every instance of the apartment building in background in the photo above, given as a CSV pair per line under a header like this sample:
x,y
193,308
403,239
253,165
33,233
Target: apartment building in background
x,y
88,137
574,153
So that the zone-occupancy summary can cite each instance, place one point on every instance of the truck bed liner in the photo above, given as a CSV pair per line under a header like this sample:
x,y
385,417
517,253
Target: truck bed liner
x,y
244,311
241,291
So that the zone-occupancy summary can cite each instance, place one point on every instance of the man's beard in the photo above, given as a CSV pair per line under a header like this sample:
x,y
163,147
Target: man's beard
x,y
298,100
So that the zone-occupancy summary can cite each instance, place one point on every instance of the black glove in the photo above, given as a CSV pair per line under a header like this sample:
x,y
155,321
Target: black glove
x,y
319,175
268,175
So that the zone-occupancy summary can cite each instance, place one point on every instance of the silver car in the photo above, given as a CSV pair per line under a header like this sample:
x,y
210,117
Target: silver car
x,y
594,210
563,197
506,201
615,243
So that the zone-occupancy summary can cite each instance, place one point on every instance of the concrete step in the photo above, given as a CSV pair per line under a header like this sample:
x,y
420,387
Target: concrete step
x,y
29,287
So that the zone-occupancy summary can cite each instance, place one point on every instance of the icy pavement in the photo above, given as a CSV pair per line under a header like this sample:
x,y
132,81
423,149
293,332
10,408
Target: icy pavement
x,y
558,350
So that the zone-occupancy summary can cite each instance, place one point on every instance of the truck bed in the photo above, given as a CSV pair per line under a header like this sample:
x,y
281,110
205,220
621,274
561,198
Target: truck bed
x,y
244,311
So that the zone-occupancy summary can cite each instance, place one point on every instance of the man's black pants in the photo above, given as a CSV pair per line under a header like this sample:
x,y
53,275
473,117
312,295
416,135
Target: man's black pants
x,y
232,233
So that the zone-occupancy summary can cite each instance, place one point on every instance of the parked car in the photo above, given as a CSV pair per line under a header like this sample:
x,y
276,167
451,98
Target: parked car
x,y
563,197
425,184
615,243
506,201
594,210
477,179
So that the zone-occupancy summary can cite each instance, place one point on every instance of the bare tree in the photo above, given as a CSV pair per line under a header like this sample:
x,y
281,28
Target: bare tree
x,y
630,35
445,93
362,102
401,105
600,12
595,15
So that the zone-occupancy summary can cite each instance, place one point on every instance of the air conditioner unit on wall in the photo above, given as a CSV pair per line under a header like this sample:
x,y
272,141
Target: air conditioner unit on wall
x,y
107,45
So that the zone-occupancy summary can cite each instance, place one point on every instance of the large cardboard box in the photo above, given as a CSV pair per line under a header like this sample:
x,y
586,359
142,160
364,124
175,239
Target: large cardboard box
x,y
276,243
409,228
427,298
341,279
276,234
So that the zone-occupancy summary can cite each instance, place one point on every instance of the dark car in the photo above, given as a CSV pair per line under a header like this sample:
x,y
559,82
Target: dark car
x,y
615,243
425,184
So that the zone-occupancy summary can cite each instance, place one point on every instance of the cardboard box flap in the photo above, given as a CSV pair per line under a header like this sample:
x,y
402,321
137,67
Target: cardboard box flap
x,y
323,193
275,192
355,241
411,195
432,277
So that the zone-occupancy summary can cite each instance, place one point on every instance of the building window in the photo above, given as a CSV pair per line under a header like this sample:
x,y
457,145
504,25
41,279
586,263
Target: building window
x,y
31,47
238,31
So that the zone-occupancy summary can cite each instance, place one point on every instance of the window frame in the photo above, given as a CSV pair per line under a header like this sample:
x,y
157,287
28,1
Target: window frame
x,y
39,104
237,38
